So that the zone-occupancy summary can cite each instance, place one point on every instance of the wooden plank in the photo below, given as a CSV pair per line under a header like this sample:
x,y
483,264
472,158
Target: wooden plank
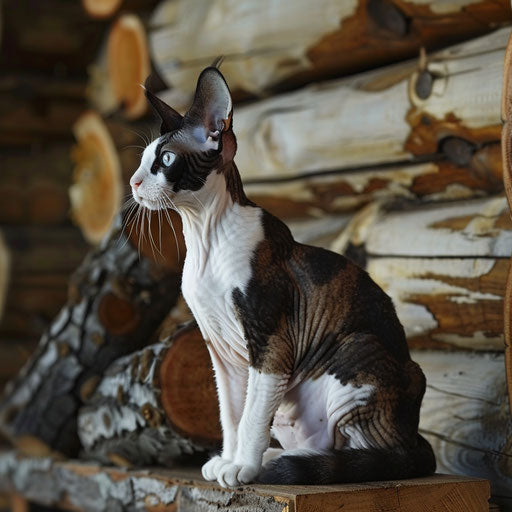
x,y
465,416
82,486
282,43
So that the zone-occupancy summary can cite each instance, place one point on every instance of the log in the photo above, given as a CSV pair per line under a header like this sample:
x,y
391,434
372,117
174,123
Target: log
x,y
116,302
278,44
154,406
445,268
380,119
121,69
82,486
34,185
465,417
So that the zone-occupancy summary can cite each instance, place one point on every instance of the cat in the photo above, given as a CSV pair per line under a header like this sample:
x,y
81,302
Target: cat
x,y
303,343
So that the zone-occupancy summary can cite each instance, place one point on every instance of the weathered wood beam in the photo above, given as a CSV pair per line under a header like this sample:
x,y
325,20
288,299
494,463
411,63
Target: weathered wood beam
x,y
281,43
154,405
382,117
465,416
5,263
506,144
79,486
116,302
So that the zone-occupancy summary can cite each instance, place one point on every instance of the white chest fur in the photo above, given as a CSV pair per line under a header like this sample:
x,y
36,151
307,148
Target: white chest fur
x,y
219,253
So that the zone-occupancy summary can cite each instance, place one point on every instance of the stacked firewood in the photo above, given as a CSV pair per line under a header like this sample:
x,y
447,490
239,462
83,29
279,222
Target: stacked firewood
x,y
400,168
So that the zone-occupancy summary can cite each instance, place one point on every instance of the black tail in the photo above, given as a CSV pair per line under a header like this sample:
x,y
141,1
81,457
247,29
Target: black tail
x,y
350,465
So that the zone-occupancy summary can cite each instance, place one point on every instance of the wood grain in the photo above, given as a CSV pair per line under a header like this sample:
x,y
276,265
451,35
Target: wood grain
x,y
465,416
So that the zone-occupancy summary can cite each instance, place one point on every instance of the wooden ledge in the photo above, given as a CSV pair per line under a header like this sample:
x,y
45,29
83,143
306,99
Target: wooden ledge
x,y
77,485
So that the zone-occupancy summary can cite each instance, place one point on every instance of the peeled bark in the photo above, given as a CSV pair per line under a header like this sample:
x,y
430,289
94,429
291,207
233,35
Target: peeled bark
x,y
445,267
154,405
116,302
274,44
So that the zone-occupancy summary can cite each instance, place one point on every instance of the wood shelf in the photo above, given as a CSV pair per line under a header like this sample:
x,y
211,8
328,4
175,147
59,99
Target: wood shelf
x,y
78,485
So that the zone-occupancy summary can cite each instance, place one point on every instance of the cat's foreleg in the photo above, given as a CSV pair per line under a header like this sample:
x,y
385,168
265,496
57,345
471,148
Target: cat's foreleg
x,y
265,392
231,388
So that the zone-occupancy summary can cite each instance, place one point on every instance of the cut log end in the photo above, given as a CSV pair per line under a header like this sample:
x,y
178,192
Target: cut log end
x,y
188,388
97,189
101,9
128,64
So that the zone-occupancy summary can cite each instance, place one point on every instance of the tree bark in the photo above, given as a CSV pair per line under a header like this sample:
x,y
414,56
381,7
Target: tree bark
x,y
278,44
154,405
116,302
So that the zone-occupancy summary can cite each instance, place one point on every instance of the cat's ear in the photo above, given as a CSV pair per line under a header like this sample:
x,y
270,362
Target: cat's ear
x,y
211,111
171,120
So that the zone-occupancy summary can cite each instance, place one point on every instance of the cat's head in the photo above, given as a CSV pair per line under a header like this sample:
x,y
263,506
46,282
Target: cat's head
x,y
178,166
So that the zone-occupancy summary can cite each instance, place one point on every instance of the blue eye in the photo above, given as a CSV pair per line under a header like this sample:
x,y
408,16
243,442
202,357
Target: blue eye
x,y
168,158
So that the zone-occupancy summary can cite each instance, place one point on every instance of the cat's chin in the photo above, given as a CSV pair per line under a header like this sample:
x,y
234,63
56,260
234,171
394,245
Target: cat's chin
x,y
150,205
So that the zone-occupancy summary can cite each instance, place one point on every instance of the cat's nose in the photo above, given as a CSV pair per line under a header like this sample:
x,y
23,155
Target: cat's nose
x,y
136,184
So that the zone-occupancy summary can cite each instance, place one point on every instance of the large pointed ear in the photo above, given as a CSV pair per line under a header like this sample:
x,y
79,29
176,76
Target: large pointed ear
x,y
171,120
211,111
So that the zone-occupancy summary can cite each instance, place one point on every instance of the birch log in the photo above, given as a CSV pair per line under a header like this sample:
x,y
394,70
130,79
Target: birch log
x,y
444,266
154,405
116,302
281,43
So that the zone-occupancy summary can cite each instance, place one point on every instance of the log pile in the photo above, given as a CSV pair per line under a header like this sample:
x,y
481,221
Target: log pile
x,y
403,169
115,304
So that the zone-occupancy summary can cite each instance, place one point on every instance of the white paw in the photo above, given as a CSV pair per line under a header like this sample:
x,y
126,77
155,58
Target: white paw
x,y
211,469
232,475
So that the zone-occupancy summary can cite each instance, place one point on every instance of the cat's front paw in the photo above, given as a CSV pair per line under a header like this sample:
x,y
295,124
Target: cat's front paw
x,y
233,475
211,469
